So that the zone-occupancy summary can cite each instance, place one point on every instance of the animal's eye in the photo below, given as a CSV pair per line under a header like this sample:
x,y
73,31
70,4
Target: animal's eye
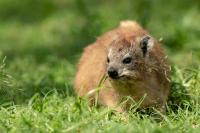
x,y
108,60
127,60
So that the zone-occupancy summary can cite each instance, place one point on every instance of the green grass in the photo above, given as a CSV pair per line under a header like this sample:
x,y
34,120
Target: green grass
x,y
40,46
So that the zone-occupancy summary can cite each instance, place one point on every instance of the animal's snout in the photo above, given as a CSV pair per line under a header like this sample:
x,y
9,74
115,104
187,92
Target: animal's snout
x,y
113,73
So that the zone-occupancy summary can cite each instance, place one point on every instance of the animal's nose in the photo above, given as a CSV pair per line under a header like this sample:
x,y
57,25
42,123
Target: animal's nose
x,y
112,73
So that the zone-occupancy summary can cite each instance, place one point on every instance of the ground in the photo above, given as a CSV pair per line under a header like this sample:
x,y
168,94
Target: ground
x,y
41,42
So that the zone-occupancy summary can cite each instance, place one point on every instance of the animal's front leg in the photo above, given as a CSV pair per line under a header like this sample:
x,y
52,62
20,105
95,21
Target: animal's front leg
x,y
109,98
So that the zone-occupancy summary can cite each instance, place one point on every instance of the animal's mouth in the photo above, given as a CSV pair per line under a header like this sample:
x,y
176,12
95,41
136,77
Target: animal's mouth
x,y
120,77
115,78
124,75
124,78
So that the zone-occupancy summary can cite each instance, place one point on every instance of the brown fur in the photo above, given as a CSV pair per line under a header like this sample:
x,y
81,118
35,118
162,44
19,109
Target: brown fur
x,y
151,73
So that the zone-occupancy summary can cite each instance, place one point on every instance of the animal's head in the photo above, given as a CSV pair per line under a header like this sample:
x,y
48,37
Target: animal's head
x,y
127,56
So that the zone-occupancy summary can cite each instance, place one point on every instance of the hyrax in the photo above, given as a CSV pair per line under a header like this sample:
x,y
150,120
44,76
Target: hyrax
x,y
135,64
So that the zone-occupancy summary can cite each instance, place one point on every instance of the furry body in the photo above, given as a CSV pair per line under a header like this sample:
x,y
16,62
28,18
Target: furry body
x,y
147,75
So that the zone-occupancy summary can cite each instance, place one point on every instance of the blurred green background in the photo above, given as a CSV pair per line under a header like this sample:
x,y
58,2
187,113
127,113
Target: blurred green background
x,y
41,40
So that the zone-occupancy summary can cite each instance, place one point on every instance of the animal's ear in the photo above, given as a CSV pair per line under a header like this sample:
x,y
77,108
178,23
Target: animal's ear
x,y
146,44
